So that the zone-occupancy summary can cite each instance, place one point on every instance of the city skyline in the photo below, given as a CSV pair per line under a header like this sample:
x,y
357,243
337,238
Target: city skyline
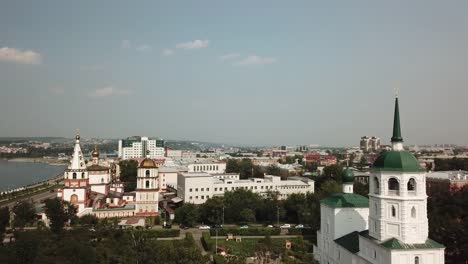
x,y
263,73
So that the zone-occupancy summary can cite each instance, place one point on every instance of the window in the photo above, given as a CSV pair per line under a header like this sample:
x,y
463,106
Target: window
x,y
196,189
376,185
82,175
202,189
413,212
190,190
196,197
393,211
375,254
207,189
207,197
203,197
74,175
216,189
411,185
190,197
416,260
147,173
393,186
147,184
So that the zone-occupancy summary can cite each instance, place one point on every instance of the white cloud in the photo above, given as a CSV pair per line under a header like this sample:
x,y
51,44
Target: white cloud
x,y
229,56
108,91
144,48
196,44
20,56
126,44
256,60
56,90
167,52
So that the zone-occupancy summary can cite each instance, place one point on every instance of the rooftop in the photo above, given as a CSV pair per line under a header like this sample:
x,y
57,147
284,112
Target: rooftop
x,y
341,200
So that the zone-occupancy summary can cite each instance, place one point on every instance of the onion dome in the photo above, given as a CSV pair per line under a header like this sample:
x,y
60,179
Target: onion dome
x,y
148,163
95,153
348,176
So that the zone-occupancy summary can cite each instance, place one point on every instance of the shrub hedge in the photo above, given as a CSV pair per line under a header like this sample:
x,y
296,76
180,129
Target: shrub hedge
x,y
159,233
247,231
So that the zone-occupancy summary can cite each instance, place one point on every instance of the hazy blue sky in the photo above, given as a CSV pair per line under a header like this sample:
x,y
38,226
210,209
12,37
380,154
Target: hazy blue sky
x,y
255,72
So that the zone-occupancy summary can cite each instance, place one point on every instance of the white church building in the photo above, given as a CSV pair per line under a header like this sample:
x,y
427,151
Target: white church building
x,y
389,227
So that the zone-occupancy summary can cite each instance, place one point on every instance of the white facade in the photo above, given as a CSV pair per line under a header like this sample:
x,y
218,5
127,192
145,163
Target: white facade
x,y
167,177
209,167
197,187
139,147
147,195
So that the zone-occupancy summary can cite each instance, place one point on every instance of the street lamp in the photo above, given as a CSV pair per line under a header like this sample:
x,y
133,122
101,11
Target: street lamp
x,y
277,215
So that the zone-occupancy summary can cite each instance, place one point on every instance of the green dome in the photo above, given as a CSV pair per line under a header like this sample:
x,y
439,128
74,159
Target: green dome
x,y
348,175
396,161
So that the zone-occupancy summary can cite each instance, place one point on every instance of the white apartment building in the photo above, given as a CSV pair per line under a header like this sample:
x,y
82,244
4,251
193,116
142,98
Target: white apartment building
x,y
368,144
197,187
137,147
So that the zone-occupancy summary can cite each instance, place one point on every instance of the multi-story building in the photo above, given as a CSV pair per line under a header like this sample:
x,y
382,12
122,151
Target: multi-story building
x,y
207,166
137,147
197,187
391,226
370,144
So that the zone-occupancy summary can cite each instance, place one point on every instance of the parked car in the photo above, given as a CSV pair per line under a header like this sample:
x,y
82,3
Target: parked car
x,y
285,226
300,226
204,227
218,226
183,227
244,227
269,226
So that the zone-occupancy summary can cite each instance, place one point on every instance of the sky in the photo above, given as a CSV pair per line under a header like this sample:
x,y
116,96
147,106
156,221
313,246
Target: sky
x,y
251,72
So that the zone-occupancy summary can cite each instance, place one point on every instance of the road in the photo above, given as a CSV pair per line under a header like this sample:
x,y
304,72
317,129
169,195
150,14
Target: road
x,y
36,198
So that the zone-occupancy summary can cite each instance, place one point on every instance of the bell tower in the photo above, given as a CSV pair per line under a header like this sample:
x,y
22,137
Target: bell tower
x,y
397,193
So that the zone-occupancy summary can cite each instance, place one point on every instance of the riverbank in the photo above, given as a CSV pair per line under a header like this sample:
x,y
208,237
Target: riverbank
x,y
51,161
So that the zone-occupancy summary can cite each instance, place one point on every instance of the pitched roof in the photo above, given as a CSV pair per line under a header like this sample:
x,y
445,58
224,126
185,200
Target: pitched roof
x,y
338,200
394,243
97,168
350,242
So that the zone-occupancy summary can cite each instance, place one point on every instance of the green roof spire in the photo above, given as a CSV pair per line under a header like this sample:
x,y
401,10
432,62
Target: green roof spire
x,y
396,123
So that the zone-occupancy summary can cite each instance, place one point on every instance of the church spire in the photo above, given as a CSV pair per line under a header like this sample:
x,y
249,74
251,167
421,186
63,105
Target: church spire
x,y
397,140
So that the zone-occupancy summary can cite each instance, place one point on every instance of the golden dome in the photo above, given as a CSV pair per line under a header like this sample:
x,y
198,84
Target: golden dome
x,y
95,153
148,163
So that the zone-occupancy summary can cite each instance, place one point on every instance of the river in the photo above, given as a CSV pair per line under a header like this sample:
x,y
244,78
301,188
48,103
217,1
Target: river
x,y
15,174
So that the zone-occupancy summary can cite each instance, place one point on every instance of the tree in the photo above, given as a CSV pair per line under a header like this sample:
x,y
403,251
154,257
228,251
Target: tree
x,y
246,168
187,215
55,211
4,220
330,187
128,174
211,212
247,215
88,220
24,214
274,170
238,200
334,172
232,166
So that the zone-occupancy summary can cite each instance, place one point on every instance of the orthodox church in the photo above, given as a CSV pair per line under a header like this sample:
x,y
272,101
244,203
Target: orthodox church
x,y
97,190
390,226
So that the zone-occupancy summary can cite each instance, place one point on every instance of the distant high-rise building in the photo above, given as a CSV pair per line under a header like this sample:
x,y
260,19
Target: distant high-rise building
x,y
137,147
370,144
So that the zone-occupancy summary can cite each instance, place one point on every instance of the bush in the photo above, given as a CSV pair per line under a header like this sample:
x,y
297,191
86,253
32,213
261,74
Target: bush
x,y
159,233
247,231
206,242
301,231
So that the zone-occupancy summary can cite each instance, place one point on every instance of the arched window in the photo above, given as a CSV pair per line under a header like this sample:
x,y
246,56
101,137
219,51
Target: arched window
x,y
411,185
393,211
147,173
147,184
376,185
416,260
393,186
413,212
74,175
82,175
376,209
74,198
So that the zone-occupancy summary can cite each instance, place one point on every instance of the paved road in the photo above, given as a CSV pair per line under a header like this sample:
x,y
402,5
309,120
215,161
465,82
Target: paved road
x,y
36,198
